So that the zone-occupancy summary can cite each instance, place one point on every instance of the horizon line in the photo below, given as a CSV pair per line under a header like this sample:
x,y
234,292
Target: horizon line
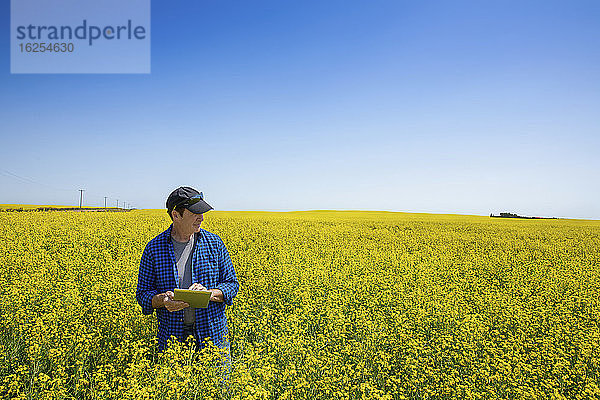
x,y
311,210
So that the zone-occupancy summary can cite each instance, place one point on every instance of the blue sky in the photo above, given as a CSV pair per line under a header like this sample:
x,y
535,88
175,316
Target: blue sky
x,y
437,106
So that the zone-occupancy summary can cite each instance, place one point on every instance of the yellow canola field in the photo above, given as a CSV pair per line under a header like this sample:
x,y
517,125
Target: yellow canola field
x,y
332,305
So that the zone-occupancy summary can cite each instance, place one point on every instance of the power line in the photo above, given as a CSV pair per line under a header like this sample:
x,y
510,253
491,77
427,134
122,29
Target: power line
x,y
27,180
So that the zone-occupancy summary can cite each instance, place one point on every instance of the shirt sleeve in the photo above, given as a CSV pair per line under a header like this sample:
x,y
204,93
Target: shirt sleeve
x,y
228,282
146,287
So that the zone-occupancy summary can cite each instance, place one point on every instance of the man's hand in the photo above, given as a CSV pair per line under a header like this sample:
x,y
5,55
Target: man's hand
x,y
216,295
166,300
158,300
197,286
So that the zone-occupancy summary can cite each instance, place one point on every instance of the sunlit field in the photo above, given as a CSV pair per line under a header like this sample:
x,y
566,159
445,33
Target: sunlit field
x,y
332,305
25,206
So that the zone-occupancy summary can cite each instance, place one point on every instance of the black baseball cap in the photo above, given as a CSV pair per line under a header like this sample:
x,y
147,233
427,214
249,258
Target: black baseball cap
x,y
189,198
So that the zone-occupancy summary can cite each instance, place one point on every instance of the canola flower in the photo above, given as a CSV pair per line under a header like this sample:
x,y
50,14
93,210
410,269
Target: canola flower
x,y
332,305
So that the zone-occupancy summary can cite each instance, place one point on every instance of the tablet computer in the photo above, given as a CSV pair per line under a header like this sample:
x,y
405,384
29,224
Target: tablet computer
x,y
195,298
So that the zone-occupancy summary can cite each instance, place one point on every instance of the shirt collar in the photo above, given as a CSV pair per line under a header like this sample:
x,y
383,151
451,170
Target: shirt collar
x,y
167,234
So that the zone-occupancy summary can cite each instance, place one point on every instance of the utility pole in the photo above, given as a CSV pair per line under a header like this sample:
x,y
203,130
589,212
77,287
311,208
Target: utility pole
x,y
117,203
81,197
105,201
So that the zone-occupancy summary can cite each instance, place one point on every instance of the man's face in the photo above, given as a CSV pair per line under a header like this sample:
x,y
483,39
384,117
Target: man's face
x,y
188,222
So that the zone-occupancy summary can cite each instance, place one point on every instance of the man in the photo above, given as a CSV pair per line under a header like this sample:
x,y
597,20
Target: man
x,y
186,256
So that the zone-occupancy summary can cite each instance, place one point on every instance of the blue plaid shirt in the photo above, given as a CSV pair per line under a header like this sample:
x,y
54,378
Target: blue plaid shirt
x,y
211,267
